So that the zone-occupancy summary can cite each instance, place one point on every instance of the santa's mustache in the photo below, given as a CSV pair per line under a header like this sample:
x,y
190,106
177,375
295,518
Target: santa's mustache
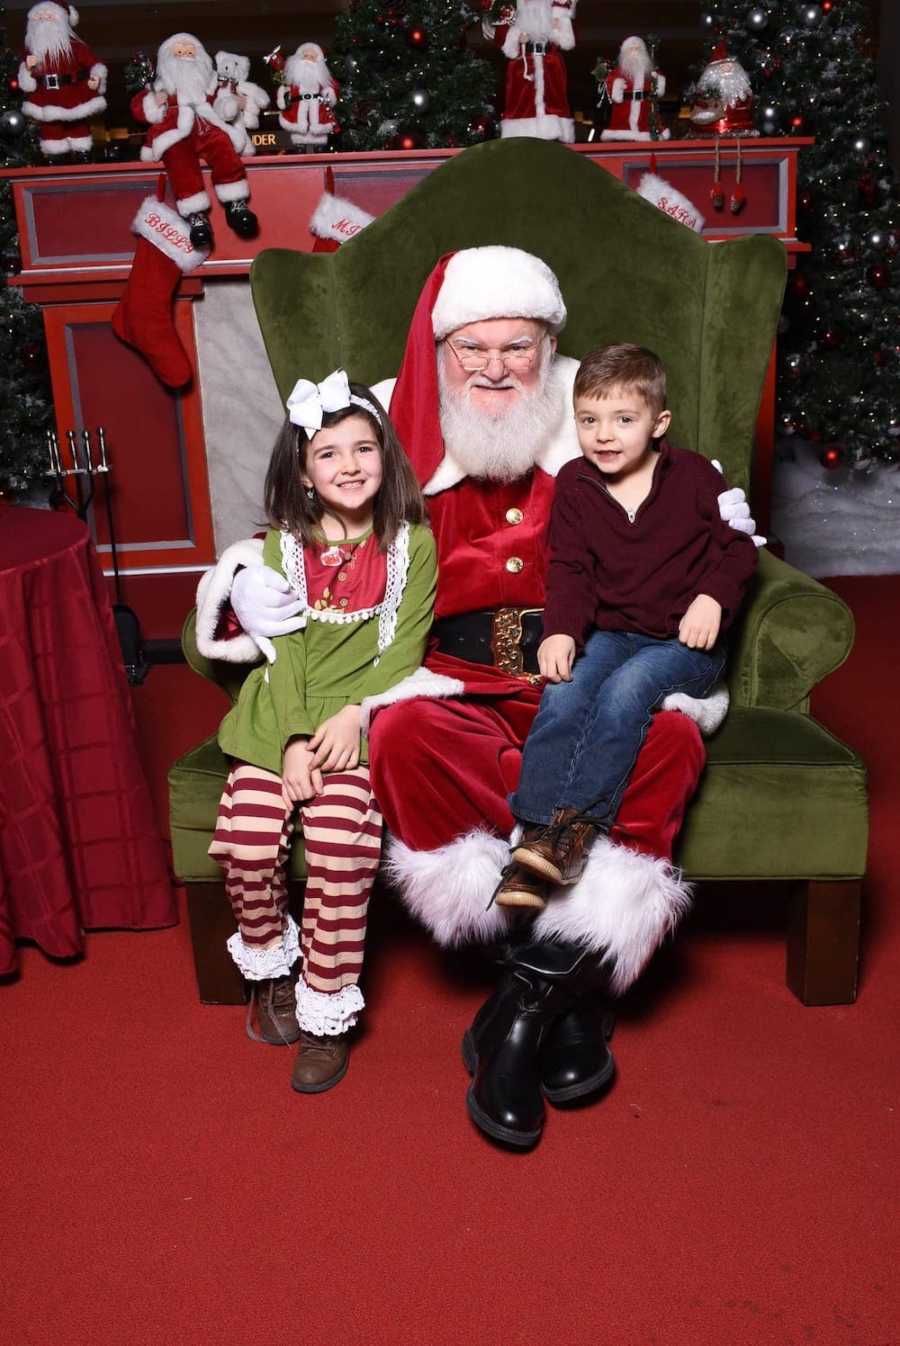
x,y
508,381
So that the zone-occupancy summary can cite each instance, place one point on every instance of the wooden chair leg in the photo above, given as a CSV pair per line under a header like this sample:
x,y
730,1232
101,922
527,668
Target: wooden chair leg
x,y
823,942
212,921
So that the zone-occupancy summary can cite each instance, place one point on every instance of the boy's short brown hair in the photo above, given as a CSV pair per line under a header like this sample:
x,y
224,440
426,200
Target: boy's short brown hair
x,y
634,368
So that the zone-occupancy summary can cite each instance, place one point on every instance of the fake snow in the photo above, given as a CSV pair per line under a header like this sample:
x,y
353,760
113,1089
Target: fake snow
x,y
836,522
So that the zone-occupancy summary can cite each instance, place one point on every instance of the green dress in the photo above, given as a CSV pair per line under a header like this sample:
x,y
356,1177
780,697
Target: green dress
x,y
338,659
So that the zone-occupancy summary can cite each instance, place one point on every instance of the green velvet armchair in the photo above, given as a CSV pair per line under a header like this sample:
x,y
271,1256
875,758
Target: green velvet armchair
x,y
781,798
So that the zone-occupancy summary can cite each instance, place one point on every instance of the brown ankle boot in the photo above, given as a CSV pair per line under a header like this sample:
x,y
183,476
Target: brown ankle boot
x,y
559,851
520,887
321,1062
276,1011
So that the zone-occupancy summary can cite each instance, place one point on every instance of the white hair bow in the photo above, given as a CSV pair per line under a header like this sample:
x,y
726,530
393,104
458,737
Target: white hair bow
x,y
309,401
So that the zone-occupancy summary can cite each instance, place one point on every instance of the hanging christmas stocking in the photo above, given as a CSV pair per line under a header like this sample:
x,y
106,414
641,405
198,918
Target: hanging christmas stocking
x,y
143,317
335,219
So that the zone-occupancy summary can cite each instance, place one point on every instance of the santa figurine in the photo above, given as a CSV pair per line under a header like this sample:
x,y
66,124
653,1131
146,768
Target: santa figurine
x,y
62,80
186,129
239,101
632,89
723,100
306,99
532,35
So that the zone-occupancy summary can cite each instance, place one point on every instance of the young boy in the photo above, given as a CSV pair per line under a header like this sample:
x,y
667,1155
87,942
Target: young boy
x,y
643,580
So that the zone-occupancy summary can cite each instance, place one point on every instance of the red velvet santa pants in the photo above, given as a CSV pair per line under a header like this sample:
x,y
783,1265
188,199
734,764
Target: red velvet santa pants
x,y
443,768
182,161
61,137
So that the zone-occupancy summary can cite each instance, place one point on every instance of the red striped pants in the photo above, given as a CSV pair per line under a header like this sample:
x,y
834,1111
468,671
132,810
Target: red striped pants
x,y
342,838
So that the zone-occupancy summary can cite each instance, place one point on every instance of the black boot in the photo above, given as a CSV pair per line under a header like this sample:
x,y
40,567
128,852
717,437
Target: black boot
x,y
502,1048
201,230
575,1059
241,219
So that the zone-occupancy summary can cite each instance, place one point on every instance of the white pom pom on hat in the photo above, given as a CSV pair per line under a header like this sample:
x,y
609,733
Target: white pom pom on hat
x,y
74,16
497,282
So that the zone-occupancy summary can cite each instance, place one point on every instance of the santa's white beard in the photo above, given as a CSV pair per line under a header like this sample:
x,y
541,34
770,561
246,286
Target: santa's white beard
x,y
48,39
188,78
535,17
308,76
635,66
505,444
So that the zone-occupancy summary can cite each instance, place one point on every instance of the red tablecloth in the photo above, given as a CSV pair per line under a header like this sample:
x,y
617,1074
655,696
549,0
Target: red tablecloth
x,y
79,845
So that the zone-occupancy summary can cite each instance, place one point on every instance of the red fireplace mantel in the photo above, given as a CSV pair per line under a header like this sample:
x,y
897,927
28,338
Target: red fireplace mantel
x,y
76,245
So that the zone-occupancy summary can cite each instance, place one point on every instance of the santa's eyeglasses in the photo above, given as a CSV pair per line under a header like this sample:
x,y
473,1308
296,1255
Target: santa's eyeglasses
x,y
474,359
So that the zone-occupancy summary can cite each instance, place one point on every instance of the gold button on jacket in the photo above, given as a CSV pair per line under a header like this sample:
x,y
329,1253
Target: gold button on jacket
x,y
514,515
515,564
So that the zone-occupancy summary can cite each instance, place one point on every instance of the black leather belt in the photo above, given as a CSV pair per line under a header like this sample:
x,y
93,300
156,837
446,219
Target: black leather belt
x,y
508,638
57,81
536,48
301,98
634,95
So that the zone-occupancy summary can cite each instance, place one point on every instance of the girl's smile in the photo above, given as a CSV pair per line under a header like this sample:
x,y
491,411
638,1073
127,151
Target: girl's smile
x,y
343,466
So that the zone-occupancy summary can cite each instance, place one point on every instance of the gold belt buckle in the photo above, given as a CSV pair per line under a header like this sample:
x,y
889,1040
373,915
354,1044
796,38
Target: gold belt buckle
x,y
506,642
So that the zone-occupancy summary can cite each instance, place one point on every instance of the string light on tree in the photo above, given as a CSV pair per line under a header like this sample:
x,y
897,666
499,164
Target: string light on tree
x,y
409,65
838,354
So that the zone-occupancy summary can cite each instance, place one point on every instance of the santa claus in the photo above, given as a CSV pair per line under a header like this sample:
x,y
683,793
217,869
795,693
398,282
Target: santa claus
x,y
63,81
186,129
532,36
723,103
239,101
631,88
483,403
306,98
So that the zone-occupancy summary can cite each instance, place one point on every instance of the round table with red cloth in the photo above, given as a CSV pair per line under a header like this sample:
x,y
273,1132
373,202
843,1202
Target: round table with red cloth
x,y
79,844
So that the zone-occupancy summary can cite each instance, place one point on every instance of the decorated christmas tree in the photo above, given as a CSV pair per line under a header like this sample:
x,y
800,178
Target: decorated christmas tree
x,y
408,79
26,409
839,351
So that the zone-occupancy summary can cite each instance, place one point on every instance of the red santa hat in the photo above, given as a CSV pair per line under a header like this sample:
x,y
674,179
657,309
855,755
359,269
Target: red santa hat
x,y
473,285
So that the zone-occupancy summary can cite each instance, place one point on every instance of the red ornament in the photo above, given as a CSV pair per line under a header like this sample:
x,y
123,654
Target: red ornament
x,y
879,276
737,200
408,141
13,85
827,6
717,196
416,37
799,285
797,124
831,456
868,189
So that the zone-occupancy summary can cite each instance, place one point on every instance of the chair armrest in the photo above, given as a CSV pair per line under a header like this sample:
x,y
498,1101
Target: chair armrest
x,y
793,633
227,676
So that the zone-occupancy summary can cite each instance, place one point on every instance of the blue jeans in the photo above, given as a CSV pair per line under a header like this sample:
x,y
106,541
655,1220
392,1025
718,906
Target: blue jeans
x,y
588,732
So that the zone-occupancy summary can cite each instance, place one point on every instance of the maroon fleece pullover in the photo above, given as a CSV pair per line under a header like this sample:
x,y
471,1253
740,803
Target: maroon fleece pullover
x,y
610,571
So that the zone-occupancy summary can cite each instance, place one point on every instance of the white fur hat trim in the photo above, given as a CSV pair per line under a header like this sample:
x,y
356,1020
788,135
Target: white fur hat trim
x,y
496,282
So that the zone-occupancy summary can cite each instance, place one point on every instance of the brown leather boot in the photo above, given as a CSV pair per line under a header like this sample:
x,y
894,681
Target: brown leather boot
x,y
276,1011
560,850
519,887
321,1062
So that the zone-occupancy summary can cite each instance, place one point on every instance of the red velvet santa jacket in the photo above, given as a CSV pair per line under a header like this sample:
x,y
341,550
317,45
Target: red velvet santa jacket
x,y
613,571
71,99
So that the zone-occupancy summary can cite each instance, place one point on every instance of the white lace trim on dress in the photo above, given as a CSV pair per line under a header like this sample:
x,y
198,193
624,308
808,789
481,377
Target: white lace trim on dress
x,y
274,961
386,610
327,1013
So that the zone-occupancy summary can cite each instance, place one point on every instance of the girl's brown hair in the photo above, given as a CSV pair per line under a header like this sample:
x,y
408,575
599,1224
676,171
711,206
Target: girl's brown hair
x,y
288,506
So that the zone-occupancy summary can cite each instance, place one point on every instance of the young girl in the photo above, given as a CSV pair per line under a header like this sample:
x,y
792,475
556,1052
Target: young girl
x,y
347,532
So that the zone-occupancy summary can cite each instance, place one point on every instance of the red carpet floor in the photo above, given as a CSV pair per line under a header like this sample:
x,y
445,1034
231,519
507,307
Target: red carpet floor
x,y
737,1187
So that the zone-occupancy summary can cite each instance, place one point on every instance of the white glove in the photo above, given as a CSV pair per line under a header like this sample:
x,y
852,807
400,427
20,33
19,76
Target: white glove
x,y
264,603
735,511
